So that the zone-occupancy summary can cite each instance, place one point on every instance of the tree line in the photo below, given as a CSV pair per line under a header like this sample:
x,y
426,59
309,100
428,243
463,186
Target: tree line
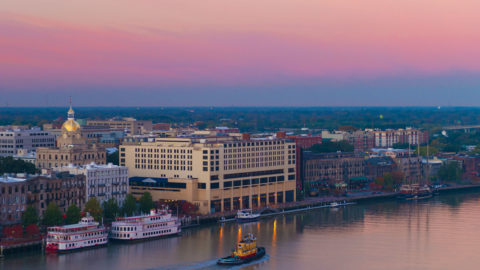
x,y
107,212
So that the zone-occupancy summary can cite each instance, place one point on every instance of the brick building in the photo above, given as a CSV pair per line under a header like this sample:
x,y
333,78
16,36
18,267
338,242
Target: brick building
x,y
22,190
334,169
302,143
13,199
362,141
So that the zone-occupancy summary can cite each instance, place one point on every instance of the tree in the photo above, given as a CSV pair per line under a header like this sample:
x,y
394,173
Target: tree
x,y
427,151
52,216
401,146
380,181
73,215
30,216
130,205
388,178
113,158
11,165
146,202
110,209
94,209
450,172
397,177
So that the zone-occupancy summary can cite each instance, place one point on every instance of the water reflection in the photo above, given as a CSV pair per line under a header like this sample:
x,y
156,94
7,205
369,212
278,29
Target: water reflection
x,y
386,235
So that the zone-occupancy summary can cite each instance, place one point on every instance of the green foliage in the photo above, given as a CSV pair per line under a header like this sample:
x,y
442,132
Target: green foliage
x,y
113,158
401,146
110,209
263,118
450,172
146,202
423,151
93,207
52,215
130,205
11,165
30,216
73,215
329,147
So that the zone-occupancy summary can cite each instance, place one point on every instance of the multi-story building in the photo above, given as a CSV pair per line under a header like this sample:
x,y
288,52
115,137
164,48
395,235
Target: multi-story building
x,y
378,166
26,156
362,141
103,135
61,188
131,125
302,143
16,192
331,168
102,181
13,199
12,140
411,167
215,173
334,136
389,137
72,148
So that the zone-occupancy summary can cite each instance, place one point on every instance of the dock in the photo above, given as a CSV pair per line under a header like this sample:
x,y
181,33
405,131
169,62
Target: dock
x,y
7,246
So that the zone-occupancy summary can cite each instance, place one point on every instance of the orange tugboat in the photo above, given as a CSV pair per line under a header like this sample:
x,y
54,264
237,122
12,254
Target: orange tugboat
x,y
245,252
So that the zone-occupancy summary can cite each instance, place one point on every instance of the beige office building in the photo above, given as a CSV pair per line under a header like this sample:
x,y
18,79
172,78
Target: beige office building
x,y
131,125
215,173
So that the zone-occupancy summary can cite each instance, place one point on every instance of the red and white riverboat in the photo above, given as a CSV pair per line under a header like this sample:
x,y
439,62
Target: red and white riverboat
x,y
157,224
87,233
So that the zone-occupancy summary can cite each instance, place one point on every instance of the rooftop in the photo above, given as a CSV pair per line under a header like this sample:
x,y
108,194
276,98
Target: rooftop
x,y
9,179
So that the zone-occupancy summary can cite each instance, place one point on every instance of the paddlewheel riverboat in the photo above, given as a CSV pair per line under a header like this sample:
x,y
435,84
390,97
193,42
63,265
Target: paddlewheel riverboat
x,y
157,224
87,233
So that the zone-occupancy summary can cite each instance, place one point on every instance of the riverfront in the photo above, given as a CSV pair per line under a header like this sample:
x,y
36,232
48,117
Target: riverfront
x,y
440,233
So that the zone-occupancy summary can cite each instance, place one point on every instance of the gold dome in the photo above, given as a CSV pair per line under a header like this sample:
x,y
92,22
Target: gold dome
x,y
71,125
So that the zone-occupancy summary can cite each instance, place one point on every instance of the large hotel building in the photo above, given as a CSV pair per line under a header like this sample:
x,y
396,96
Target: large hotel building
x,y
215,173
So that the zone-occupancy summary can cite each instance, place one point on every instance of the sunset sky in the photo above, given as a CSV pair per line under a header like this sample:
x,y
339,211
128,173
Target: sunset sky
x,y
240,52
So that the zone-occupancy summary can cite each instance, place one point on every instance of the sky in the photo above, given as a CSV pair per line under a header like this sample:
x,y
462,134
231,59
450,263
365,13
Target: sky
x,y
240,53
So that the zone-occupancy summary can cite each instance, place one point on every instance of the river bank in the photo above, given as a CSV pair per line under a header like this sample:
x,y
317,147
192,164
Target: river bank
x,y
306,205
314,202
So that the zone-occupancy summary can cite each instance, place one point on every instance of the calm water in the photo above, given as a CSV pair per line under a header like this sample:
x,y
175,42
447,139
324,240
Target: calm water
x,y
442,233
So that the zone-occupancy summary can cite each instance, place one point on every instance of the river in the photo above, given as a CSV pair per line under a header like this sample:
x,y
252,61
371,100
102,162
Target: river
x,y
441,233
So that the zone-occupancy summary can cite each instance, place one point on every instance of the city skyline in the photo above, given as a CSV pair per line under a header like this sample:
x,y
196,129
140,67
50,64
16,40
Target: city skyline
x,y
273,53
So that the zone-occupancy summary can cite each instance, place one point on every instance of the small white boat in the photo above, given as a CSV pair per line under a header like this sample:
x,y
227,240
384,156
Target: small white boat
x,y
246,215
334,205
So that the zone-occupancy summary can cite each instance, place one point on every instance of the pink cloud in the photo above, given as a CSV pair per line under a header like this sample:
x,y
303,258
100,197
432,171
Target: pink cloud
x,y
335,39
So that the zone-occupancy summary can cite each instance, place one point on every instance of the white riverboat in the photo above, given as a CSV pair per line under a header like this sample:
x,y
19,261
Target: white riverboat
x,y
157,224
87,233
